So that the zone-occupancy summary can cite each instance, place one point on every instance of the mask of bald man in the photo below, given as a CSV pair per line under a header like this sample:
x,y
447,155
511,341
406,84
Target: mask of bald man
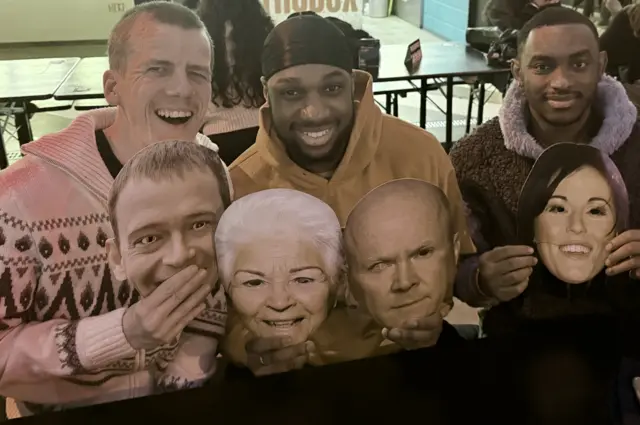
x,y
402,254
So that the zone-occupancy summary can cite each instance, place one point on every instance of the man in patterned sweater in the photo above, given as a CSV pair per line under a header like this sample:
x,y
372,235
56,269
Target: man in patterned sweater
x,y
65,339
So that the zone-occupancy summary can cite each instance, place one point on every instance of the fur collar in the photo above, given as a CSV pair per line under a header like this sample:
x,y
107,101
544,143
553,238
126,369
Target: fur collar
x,y
619,119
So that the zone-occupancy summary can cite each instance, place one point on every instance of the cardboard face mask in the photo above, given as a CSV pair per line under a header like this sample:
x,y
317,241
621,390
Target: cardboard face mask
x,y
401,253
568,209
280,288
280,258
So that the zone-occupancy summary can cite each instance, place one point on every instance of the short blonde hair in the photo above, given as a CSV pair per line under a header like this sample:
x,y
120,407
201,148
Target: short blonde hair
x,y
164,160
163,12
273,212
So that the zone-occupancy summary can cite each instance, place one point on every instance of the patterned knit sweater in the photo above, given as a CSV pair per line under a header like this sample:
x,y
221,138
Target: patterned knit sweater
x,y
222,120
61,336
492,165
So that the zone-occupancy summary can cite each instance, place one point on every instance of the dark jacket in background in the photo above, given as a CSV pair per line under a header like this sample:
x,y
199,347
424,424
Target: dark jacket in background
x,y
622,47
511,14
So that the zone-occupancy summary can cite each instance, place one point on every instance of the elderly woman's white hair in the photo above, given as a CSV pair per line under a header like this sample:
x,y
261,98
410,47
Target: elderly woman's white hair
x,y
275,212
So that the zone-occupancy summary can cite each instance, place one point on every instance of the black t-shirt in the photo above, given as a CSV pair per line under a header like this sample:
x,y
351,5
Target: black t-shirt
x,y
108,157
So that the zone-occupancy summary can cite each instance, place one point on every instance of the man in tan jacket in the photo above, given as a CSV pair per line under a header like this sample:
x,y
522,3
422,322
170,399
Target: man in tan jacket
x,y
322,133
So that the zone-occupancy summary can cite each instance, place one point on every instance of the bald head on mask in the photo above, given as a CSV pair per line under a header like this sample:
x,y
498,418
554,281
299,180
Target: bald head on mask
x,y
402,252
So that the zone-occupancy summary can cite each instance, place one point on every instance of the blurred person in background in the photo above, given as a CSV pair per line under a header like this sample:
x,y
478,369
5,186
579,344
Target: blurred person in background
x,y
513,14
607,8
621,41
238,29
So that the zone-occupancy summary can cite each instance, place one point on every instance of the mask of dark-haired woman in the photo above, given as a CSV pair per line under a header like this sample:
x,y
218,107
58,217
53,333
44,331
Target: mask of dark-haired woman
x,y
573,204
575,227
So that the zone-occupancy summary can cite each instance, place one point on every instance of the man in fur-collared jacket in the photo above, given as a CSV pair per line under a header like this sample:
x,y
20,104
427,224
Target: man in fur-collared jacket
x,y
560,94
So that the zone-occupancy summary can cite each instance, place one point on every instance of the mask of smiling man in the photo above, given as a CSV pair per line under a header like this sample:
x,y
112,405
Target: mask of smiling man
x,y
572,205
280,259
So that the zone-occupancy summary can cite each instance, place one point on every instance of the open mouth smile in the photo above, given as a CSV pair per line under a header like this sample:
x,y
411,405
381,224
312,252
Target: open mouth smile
x,y
575,250
283,324
316,137
175,117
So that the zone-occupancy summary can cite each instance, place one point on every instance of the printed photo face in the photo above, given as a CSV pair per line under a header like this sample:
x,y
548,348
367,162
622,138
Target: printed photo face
x,y
575,226
280,288
402,259
166,226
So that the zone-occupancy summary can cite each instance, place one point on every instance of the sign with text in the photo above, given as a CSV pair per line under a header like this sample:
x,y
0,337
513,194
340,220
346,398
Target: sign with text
x,y
414,56
348,10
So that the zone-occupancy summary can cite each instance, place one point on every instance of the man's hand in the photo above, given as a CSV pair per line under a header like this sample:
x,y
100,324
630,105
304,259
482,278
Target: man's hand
x,y
624,254
267,356
416,333
505,271
159,318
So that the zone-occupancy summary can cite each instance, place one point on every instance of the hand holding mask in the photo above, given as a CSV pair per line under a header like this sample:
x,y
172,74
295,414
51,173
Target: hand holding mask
x,y
505,270
624,254
266,356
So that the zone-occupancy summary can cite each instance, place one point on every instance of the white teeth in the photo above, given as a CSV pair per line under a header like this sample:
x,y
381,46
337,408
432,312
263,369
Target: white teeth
x,y
579,249
173,114
281,323
316,134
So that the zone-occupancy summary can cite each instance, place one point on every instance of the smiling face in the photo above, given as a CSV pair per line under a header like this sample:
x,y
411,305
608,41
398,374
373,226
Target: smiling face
x,y
402,269
164,87
280,288
575,227
164,227
560,79
312,110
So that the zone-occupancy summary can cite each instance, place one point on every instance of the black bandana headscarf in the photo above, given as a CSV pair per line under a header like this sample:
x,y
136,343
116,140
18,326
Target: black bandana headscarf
x,y
305,39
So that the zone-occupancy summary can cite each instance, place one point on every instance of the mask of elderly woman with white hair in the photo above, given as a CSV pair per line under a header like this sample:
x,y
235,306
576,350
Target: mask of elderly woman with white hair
x,y
281,262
